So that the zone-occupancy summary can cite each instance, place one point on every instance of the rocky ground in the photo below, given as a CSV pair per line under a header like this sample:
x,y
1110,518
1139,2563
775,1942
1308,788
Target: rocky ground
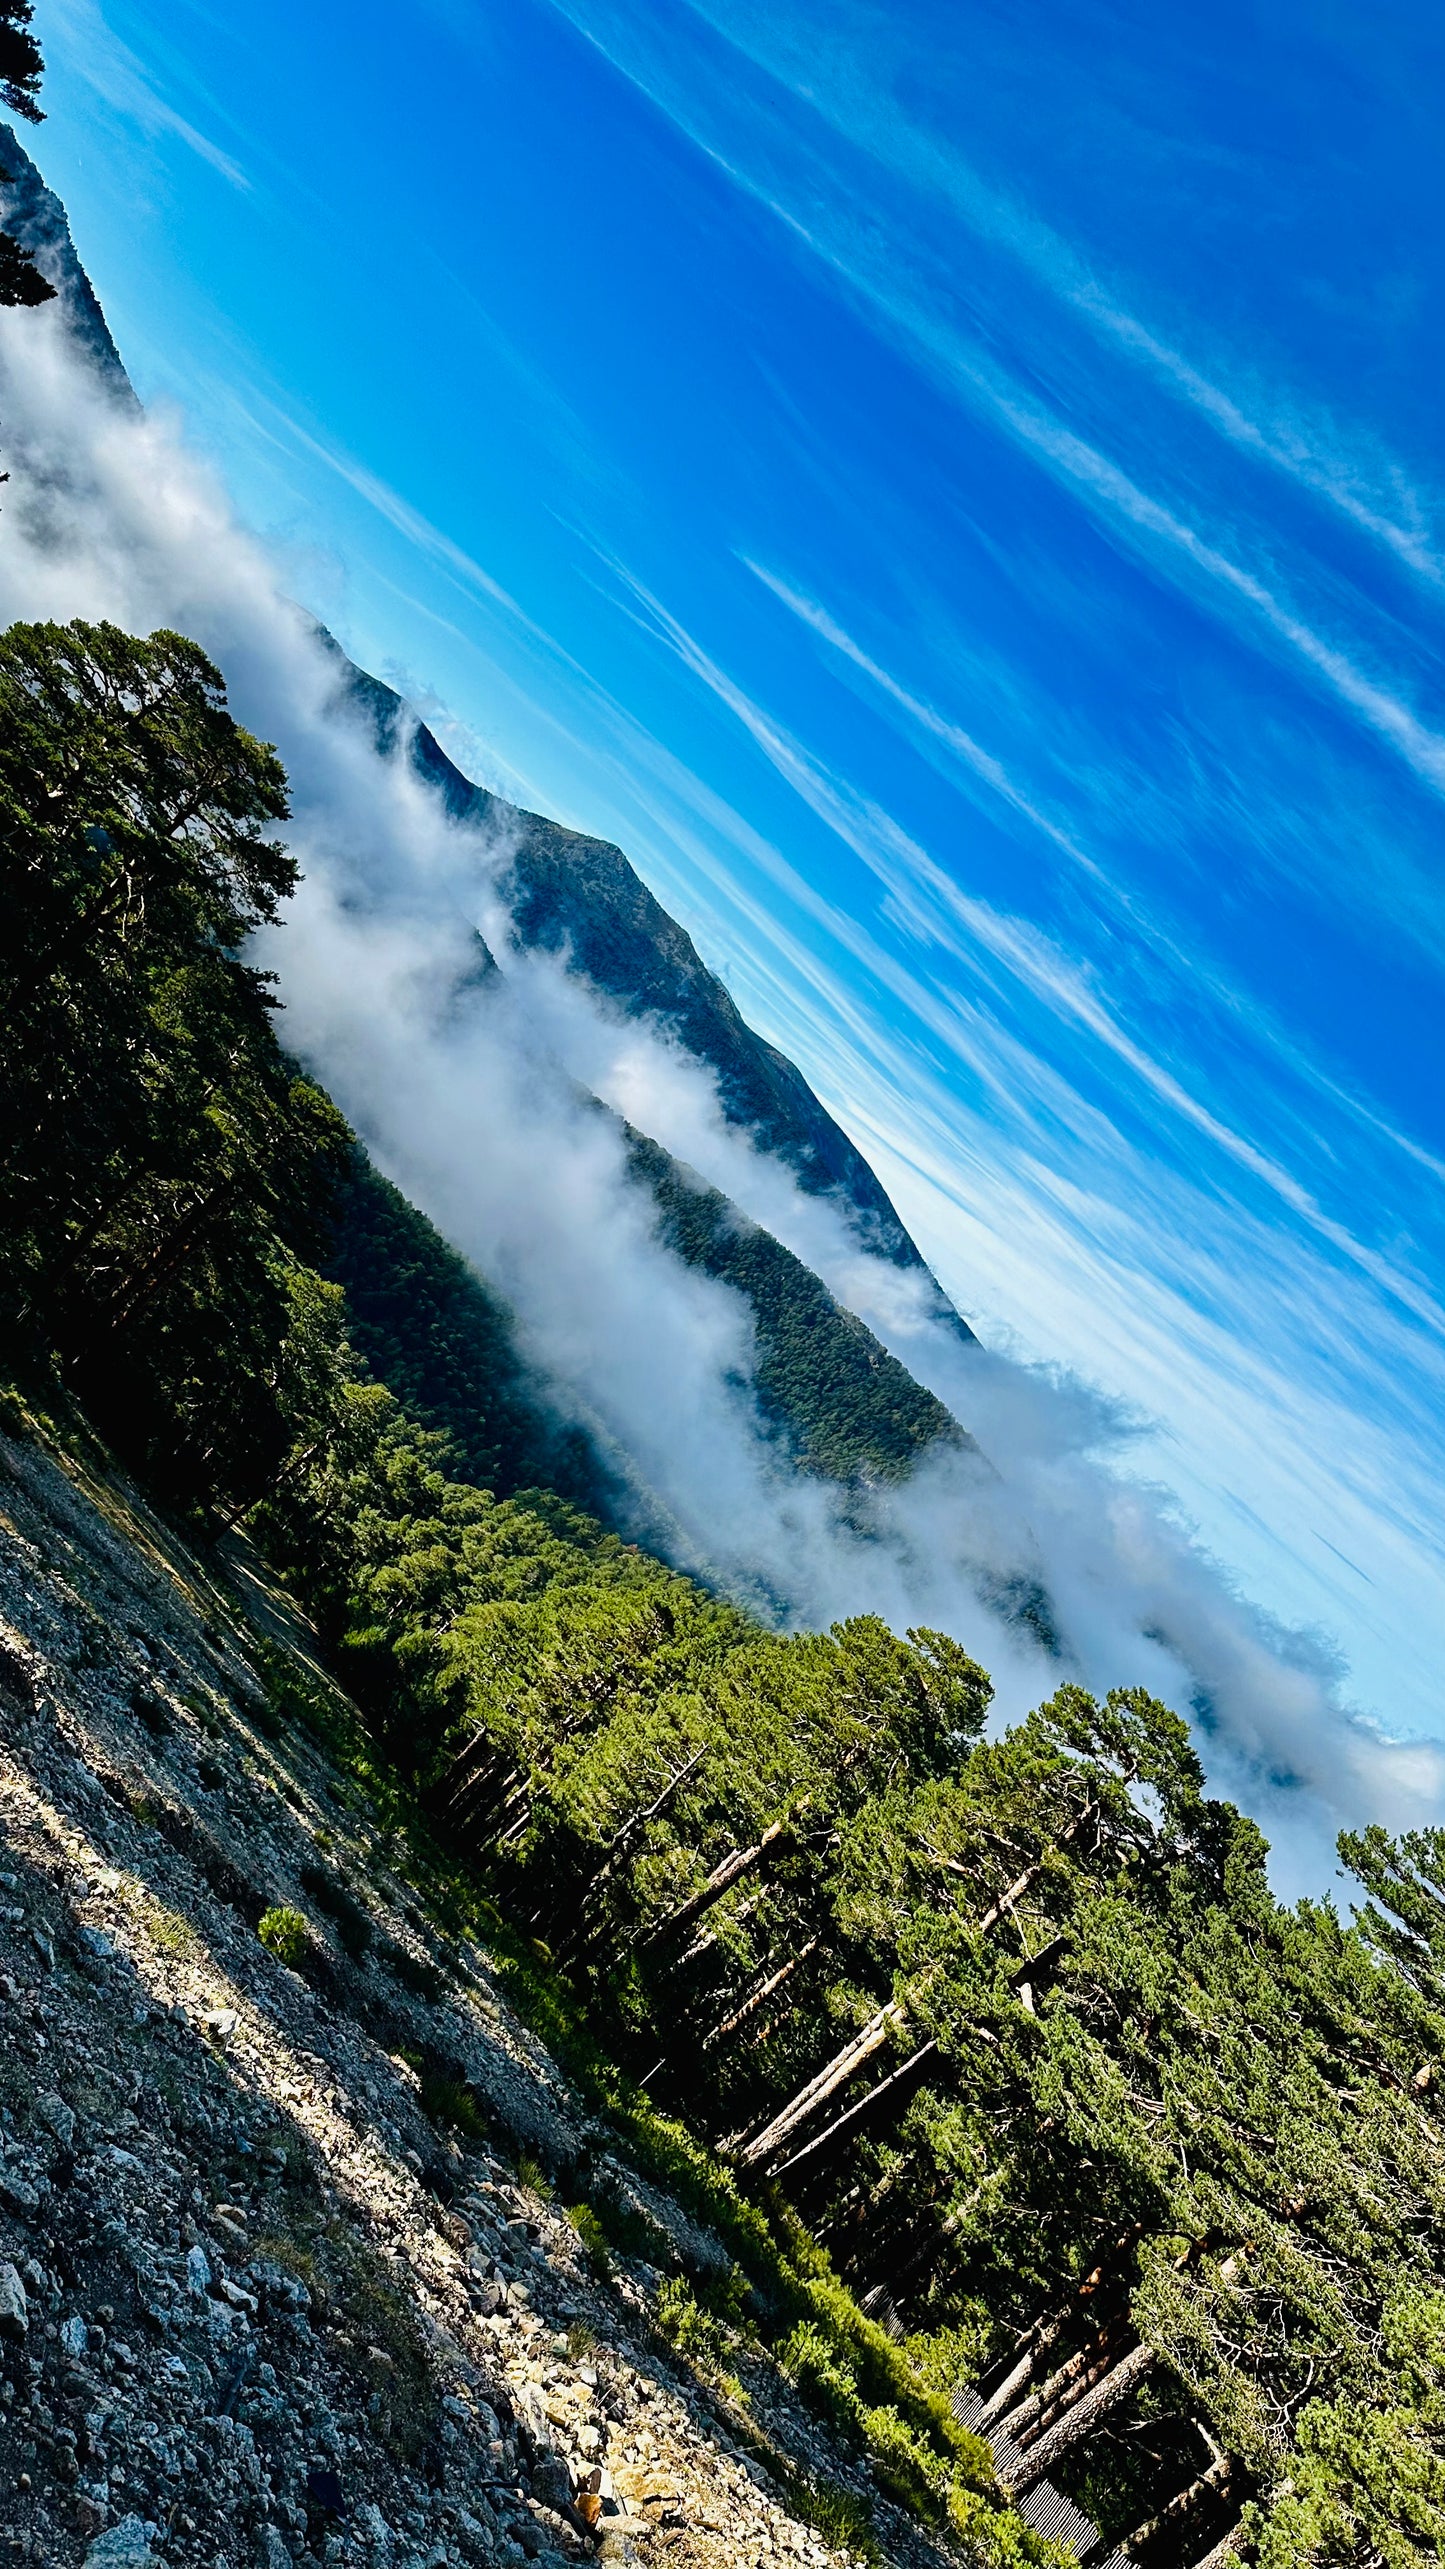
x,y
261,2300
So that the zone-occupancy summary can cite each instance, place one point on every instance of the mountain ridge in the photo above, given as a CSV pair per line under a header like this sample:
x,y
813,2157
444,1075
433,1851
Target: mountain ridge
x,y
623,941
36,217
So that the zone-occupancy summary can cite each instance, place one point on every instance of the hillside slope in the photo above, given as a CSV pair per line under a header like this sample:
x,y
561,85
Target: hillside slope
x,y
280,2264
34,215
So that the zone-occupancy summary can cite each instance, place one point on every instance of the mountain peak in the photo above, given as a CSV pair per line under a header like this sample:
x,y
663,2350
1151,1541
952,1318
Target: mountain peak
x,y
34,216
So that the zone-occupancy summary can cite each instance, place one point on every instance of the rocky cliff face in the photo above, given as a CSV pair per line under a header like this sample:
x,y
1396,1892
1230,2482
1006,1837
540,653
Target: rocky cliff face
x,y
34,216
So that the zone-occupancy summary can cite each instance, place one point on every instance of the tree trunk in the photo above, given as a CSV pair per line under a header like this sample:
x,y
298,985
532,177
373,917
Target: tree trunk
x,y
733,1868
862,2106
1226,2549
1088,2365
759,1997
802,2107
1078,2421
577,1941
1009,1899
175,1244
1221,2472
1045,2334
926,2248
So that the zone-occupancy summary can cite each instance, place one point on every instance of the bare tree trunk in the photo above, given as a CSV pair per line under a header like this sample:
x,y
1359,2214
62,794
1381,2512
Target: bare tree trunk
x,y
577,1942
1045,2334
1226,2549
733,1868
1221,2472
759,1997
801,2108
1088,2365
1079,2420
864,2102
1009,1899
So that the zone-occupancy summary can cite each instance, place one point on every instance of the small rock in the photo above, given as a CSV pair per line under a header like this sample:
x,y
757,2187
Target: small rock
x,y
198,2272
273,2553
43,1946
220,2022
91,1941
59,2119
126,2546
74,2335
14,2308
552,2483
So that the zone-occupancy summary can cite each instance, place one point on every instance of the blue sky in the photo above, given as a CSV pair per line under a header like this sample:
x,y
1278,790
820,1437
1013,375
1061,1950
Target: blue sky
x,y
957,494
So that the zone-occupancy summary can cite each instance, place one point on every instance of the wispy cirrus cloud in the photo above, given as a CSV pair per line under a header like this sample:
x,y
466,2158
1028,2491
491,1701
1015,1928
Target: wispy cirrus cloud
x,y
819,64
910,299
97,55
932,904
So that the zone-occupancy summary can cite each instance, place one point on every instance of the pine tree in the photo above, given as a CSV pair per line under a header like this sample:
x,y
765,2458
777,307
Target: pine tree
x,y
21,70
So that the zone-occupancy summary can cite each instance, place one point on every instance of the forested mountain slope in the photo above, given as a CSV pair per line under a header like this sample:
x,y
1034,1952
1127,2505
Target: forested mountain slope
x,y
845,1406
992,2063
579,894
972,2093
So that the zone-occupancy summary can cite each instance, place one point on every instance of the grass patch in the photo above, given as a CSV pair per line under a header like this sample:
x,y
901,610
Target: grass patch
x,y
593,2237
450,2103
383,2317
172,1933
285,1934
697,2336
294,1697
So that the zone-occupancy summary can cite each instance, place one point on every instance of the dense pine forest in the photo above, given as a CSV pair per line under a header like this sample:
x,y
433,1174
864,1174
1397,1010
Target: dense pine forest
x,y
995,2058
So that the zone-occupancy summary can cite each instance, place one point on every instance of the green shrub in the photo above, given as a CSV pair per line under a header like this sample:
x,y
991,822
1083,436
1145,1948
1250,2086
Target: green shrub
x,y
823,2381
699,2338
904,2465
284,1933
593,2237
450,2102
